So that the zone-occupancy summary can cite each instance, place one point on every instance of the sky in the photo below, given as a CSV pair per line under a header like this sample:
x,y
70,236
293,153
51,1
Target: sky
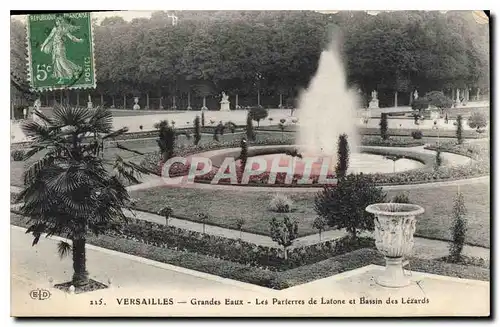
x,y
127,15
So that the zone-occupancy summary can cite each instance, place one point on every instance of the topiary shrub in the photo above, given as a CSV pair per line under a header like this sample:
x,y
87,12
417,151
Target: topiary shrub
x,y
401,198
258,114
438,100
19,111
17,155
343,156
477,121
167,213
197,130
343,205
280,203
384,125
231,126
459,132
420,104
320,224
166,140
417,135
458,228
249,128
284,232
439,159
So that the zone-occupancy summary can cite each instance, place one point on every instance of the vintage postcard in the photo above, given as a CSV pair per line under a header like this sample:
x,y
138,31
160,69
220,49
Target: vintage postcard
x,y
250,164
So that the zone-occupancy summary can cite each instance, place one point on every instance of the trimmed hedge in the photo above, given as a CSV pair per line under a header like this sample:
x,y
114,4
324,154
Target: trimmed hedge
x,y
238,251
235,250
391,142
480,166
475,151
467,134
262,179
272,279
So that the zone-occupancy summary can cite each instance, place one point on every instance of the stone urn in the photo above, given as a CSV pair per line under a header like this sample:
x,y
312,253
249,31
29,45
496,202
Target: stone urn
x,y
394,228
136,104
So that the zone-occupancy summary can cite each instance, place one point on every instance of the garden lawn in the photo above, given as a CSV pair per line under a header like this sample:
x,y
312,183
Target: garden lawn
x,y
225,207
437,219
16,172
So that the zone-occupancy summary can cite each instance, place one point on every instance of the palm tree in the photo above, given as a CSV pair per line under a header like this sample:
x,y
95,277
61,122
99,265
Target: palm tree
x,y
68,191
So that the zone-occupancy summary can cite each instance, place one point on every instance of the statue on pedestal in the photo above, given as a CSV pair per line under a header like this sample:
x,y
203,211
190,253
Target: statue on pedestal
x,y
136,104
89,103
36,107
374,101
224,103
457,101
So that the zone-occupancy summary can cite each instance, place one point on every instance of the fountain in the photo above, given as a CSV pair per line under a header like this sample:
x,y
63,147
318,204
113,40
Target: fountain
x,y
327,109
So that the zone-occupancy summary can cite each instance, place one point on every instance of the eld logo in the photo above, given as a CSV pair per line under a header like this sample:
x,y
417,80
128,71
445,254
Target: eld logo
x,y
39,294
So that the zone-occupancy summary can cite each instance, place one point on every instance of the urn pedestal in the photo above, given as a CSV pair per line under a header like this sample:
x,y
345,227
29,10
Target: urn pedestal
x,y
373,104
394,228
224,106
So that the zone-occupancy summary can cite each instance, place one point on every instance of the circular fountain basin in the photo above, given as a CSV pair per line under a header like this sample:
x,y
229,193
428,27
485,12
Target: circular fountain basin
x,y
358,163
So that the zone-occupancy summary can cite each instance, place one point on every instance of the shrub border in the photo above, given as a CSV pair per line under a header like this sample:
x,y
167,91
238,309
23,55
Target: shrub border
x,y
277,280
234,250
426,159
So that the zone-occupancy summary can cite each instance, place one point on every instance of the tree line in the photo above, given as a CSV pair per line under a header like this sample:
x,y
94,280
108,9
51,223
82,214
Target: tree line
x,y
262,54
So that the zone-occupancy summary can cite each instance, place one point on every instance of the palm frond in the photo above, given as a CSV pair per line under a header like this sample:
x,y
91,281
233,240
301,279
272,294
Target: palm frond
x,y
129,170
36,229
121,147
116,133
34,150
70,116
43,117
33,171
35,130
62,180
63,249
101,120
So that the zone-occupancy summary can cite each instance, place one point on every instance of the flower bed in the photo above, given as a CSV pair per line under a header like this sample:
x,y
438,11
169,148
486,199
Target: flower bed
x,y
263,178
392,141
467,134
480,153
152,161
480,167
272,279
239,251
474,150
235,250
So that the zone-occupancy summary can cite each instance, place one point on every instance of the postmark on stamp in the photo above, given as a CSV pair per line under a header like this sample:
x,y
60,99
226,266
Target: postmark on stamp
x,y
60,51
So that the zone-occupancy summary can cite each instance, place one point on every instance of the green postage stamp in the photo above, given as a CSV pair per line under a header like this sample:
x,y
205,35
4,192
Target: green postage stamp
x,y
61,51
